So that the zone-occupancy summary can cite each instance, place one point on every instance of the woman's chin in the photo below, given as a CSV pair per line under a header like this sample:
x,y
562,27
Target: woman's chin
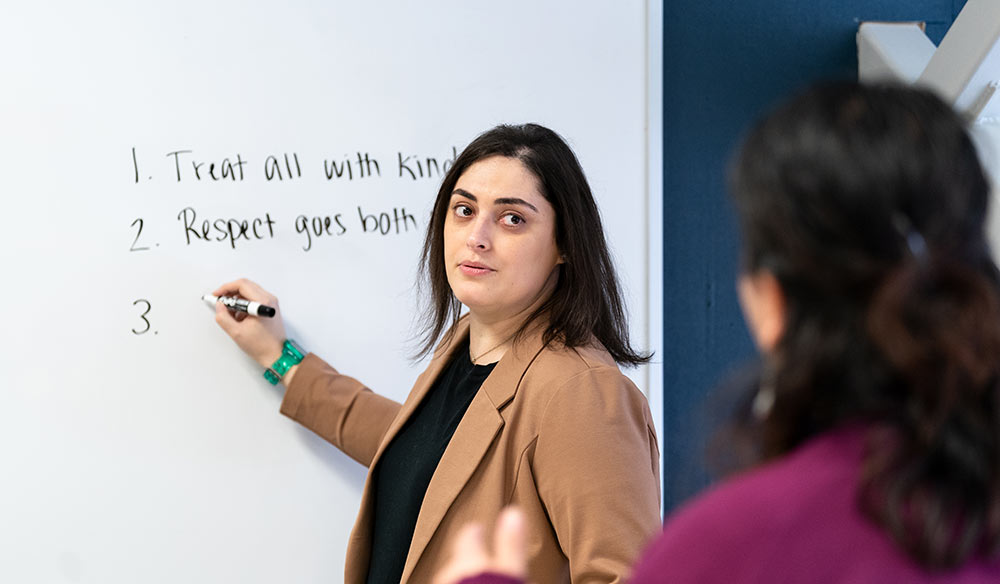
x,y
475,305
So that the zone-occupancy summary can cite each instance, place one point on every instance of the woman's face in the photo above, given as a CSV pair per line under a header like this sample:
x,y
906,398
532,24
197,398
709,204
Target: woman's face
x,y
500,239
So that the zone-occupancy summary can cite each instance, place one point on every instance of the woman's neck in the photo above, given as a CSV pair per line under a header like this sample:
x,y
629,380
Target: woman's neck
x,y
491,335
489,340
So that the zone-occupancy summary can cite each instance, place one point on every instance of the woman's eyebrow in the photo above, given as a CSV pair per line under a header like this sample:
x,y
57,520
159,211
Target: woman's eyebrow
x,y
464,193
515,201
500,201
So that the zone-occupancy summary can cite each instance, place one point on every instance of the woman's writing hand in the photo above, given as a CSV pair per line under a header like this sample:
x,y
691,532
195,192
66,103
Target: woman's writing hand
x,y
469,556
260,338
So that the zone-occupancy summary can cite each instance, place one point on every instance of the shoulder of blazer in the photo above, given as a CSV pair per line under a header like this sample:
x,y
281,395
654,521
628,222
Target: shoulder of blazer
x,y
555,365
568,361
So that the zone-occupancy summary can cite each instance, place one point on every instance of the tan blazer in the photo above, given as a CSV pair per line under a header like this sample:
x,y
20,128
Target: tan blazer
x,y
559,432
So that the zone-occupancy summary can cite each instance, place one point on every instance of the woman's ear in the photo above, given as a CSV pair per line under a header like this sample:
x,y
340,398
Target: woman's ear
x,y
763,302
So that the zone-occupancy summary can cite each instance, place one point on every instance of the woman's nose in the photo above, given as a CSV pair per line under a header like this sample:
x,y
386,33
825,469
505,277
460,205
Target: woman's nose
x,y
479,235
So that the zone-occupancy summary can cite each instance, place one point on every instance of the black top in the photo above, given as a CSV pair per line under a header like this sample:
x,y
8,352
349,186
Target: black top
x,y
405,468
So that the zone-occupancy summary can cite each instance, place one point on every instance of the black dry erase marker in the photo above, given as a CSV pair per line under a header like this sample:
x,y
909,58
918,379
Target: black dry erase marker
x,y
240,304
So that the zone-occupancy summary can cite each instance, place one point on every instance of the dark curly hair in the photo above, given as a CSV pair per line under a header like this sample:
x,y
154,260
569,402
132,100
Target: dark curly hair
x,y
587,300
868,205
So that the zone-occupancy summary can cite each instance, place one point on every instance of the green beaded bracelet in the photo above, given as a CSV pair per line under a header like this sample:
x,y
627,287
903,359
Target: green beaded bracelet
x,y
291,354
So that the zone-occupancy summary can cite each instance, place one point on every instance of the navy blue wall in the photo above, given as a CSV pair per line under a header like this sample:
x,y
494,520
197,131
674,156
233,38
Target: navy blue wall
x,y
724,64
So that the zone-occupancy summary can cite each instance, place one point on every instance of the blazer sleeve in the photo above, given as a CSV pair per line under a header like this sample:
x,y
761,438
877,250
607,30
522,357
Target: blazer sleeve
x,y
596,468
338,408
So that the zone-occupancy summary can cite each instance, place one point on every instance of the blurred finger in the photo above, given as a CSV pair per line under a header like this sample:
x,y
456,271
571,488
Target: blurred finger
x,y
470,548
468,556
508,541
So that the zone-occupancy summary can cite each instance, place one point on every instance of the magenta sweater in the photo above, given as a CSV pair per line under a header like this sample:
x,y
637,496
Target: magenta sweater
x,y
792,520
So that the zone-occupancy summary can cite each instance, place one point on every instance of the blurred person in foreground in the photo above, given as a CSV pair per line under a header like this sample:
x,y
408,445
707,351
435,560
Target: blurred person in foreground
x,y
869,288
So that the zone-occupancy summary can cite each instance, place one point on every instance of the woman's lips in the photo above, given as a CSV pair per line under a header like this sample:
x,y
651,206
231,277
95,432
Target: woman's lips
x,y
474,269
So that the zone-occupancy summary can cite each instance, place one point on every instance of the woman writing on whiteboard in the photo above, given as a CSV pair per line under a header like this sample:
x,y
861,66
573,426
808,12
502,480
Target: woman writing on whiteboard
x,y
873,297
523,402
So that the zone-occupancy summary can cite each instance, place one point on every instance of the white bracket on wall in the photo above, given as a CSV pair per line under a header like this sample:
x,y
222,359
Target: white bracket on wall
x,y
964,69
893,51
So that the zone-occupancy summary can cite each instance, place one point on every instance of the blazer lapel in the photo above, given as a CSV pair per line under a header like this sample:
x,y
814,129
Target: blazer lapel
x,y
479,427
423,385
359,548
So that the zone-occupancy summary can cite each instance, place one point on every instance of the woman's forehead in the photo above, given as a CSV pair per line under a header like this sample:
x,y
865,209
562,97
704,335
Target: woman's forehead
x,y
499,177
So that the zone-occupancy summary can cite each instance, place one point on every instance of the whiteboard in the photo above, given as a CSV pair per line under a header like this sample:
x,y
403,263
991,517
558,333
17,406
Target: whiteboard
x,y
138,443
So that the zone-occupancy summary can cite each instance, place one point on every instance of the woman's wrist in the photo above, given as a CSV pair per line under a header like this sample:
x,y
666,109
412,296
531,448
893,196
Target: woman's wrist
x,y
268,357
287,378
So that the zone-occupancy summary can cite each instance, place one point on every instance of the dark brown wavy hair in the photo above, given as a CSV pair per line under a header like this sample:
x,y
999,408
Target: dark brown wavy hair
x,y
868,204
587,300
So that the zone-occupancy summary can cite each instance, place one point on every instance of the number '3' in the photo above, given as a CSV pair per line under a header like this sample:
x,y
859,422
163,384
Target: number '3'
x,y
143,315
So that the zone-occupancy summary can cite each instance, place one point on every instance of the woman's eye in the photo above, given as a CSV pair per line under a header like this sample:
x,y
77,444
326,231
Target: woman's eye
x,y
512,220
463,210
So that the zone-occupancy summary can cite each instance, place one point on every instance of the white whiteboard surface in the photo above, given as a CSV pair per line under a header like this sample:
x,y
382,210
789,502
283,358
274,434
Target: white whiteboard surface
x,y
135,452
